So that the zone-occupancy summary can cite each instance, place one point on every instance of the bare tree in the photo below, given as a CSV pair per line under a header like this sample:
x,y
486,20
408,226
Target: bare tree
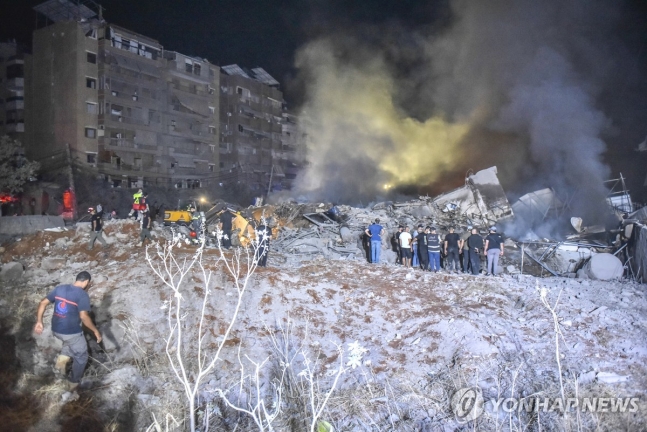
x,y
191,355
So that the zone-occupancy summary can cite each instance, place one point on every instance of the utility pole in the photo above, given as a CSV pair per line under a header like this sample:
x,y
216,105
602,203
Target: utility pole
x,y
269,187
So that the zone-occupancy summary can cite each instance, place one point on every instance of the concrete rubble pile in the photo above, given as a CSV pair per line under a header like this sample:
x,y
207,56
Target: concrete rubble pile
x,y
308,231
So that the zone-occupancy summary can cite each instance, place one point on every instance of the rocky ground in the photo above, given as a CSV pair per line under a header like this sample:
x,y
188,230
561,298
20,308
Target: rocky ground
x,y
424,335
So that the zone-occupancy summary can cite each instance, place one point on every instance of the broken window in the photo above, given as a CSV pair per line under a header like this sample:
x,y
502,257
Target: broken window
x,y
90,82
91,57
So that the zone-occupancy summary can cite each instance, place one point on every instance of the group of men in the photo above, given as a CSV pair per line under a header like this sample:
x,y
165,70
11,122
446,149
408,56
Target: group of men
x,y
425,248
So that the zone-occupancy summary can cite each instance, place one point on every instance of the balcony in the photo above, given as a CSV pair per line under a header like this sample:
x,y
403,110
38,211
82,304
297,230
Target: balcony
x,y
15,84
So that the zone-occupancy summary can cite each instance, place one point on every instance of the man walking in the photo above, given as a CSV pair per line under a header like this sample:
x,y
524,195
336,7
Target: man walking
x,y
97,228
147,224
375,231
473,250
433,248
423,249
405,246
493,249
71,308
451,251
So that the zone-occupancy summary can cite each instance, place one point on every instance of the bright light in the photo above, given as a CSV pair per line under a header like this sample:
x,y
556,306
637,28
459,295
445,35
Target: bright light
x,y
387,186
203,200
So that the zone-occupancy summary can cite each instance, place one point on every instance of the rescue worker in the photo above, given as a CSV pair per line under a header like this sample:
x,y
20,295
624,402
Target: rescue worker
x,y
493,250
136,198
433,247
423,248
97,228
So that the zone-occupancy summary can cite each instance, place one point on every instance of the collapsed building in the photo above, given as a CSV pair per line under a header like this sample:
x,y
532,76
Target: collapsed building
x,y
305,231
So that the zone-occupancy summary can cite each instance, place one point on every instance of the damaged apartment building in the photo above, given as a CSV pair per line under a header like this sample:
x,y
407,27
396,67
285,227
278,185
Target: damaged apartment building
x,y
117,101
251,122
12,90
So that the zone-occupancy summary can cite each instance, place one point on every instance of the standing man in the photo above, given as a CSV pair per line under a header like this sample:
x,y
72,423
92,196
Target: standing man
x,y
423,249
405,246
464,250
147,224
493,249
396,238
97,228
375,231
226,219
433,248
474,248
71,308
451,251
263,234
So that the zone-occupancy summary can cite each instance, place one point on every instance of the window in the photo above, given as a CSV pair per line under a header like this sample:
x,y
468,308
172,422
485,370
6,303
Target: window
x,y
197,69
211,167
90,82
188,66
240,128
91,57
91,107
114,93
212,130
212,110
212,148
239,90
90,132
91,158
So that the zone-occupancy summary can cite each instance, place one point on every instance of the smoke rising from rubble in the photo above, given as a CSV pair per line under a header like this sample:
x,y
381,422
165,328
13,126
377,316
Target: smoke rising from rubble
x,y
511,83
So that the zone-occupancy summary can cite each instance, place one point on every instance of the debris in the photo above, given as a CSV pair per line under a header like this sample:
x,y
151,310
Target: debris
x,y
52,263
604,267
11,271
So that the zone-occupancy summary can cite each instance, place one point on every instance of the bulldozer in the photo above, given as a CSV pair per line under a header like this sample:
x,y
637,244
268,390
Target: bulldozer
x,y
182,216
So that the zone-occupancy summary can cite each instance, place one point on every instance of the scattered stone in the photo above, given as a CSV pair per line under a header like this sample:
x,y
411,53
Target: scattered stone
x,y
604,266
610,377
99,278
52,263
11,271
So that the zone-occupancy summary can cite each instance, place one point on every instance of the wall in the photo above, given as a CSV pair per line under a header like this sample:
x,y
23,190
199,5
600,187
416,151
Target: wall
x,y
22,225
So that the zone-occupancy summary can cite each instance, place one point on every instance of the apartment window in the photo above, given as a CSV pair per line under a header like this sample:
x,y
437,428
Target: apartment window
x,y
212,130
212,148
90,82
91,107
239,90
114,93
240,128
212,110
91,158
188,67
211,167
197,69
91,57
90,132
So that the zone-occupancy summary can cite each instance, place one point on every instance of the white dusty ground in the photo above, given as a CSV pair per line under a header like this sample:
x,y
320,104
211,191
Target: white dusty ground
x,y
426,335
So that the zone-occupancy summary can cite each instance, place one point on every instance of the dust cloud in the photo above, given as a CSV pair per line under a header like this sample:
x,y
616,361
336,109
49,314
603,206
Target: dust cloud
x,y
507,83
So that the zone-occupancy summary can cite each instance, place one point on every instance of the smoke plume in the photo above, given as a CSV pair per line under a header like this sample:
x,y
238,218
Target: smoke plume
x,y
512,83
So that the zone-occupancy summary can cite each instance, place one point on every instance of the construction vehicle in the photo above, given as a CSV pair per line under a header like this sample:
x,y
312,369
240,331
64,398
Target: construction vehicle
x,y
183,216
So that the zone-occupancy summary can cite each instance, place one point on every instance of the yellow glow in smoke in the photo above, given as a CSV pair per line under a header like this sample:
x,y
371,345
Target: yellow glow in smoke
x,y
351,115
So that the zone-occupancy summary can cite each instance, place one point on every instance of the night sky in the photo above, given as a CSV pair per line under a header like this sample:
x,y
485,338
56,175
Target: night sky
x,y
269,34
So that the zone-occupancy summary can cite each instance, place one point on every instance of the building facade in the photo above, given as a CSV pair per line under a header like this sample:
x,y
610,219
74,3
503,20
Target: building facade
x,y
12,91
122,104
251,117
